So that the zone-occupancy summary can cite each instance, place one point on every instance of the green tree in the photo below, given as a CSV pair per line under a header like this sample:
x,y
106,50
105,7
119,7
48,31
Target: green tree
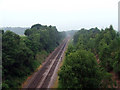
x,y
80,70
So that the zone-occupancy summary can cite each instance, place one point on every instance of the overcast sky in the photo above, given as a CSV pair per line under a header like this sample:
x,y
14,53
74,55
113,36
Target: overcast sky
x,y
64,14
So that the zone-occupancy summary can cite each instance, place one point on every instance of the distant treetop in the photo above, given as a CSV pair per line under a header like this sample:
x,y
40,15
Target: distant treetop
x,y
37,26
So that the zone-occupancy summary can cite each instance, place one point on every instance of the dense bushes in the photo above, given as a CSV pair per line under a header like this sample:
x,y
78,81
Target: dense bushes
x,y
43,37
105,44
23,54
17,59
80,68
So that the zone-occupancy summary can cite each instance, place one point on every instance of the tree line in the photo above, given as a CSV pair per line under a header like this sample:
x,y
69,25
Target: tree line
x,y
21,55
89,59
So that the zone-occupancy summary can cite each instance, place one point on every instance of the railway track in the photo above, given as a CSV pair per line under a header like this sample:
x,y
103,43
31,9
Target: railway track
x,y
43,76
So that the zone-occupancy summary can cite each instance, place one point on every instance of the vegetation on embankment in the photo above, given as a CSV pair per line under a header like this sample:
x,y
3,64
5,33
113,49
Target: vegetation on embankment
x,y
23,54
80,68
